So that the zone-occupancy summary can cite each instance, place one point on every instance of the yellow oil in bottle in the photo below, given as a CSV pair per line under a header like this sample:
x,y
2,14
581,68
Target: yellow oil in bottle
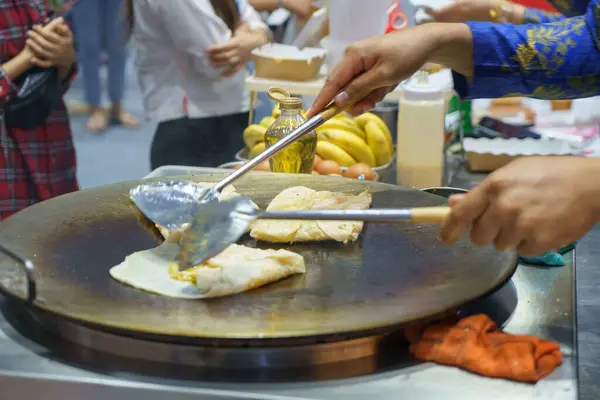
x,y
298,157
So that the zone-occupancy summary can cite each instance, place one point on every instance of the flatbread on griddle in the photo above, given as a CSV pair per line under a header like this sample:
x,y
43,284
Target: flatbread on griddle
x,y
237,269
302,198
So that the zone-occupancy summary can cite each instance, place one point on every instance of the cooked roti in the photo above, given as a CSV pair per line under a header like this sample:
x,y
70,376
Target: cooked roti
x,y
237,269
303,198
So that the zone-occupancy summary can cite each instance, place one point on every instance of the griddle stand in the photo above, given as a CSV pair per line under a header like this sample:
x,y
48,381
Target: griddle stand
x,y
35,366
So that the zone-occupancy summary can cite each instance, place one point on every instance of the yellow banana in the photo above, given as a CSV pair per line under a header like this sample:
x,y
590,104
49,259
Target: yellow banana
x,y
339,124
366,117
348,121
354,145
257,149
253,135
330,151
267,122
378,143
276,111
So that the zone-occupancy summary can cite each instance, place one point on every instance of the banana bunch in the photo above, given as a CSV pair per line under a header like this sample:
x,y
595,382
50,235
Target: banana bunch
x,y
347,141
365,139
254,136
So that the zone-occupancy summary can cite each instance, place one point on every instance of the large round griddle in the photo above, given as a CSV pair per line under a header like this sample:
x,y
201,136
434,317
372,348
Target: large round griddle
x,y
394,275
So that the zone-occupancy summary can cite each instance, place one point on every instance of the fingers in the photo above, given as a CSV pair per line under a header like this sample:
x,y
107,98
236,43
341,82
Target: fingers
x,y
464,213
39,51
485,229
443,14
234,70
455,199
340,77
508,239
49,36
41,63
222,48
369,102
65,31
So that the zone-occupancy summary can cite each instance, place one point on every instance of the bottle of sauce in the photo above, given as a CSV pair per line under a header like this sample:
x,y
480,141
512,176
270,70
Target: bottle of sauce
x,y
420,149
297,158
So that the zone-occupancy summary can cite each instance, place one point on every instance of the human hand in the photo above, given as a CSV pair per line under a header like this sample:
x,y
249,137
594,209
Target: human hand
x,y
478,10
302,9
532,205
372,68
51,45
236,53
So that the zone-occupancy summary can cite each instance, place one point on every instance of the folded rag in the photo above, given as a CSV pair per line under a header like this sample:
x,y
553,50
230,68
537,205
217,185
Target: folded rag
x,y
475,344
551,258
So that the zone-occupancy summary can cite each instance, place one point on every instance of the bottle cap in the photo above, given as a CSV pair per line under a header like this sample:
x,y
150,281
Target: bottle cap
x,y
419,87
285,100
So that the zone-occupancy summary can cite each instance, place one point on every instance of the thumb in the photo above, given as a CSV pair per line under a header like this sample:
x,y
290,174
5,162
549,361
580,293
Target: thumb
x,y
455,199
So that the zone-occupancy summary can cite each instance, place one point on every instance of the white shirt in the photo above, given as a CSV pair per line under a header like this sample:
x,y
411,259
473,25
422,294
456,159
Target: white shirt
x,y
171,39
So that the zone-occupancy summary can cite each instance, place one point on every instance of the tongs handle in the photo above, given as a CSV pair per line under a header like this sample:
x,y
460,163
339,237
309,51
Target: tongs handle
x,y
329,112
422,215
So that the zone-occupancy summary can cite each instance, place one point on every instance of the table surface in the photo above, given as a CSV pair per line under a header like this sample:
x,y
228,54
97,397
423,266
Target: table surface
x,y
587,298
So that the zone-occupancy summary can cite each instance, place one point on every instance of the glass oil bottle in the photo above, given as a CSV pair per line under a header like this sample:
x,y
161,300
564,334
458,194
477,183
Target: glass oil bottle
x,y
298,157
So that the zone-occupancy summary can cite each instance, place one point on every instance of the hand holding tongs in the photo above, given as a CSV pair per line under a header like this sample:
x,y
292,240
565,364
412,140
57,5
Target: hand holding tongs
x,y
220,224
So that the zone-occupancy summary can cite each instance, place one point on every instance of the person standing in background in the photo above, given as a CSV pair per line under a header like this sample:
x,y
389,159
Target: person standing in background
x,y
35,164
302,9
98,23
191,59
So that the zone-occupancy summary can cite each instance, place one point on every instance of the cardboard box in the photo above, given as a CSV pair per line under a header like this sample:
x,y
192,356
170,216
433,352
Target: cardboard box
x,y
487,155
287,63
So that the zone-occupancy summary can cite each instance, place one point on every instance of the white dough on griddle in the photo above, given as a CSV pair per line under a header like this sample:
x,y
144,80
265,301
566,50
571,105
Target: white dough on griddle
x,y
303,198
236,269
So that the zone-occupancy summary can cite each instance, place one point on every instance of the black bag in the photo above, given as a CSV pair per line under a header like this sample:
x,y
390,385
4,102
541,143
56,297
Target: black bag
x,y
39,94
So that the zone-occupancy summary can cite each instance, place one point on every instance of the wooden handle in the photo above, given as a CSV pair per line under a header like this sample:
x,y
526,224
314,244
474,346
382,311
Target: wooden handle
x,y
430,215
332,110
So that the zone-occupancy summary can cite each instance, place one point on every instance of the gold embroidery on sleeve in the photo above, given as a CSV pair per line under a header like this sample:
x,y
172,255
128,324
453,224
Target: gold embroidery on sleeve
x,y
547,45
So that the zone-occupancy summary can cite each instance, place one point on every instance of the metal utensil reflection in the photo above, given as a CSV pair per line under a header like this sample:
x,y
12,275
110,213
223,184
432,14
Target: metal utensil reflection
x,y
168,204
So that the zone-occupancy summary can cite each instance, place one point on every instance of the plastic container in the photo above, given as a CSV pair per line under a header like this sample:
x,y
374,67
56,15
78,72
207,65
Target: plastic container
x,y
420,143
288,63
355,20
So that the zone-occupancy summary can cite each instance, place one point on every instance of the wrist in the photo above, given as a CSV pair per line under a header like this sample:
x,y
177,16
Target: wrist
x,y
452,46
26,56
510,13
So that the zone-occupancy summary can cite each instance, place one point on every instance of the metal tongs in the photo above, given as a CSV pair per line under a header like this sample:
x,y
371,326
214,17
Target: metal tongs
x,y
217,225
330,111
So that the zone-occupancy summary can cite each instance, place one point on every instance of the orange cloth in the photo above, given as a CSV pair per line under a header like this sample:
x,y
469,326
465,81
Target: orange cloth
x,y
475,344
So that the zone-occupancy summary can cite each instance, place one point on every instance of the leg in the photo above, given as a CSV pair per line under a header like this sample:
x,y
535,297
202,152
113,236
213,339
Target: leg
x,y
86,17
179,142
228,137
116,41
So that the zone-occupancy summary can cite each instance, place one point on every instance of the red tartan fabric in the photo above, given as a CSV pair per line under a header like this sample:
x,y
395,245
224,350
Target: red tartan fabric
x,y
37,164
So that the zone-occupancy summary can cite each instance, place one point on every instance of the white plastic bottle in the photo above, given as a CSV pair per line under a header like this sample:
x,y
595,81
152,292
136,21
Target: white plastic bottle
x,y
420,148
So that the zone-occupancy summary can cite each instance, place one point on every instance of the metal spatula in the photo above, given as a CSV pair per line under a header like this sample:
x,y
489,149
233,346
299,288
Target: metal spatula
x,y
220,224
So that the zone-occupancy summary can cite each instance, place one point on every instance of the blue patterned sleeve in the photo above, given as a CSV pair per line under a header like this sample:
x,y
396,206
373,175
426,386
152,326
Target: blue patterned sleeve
x,y
534,16
557,60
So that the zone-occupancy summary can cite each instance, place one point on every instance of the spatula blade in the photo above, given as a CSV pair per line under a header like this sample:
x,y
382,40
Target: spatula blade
x,y
216,225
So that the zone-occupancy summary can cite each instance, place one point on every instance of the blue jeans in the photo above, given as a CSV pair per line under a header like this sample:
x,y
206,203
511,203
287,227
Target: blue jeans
x,y
100,25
